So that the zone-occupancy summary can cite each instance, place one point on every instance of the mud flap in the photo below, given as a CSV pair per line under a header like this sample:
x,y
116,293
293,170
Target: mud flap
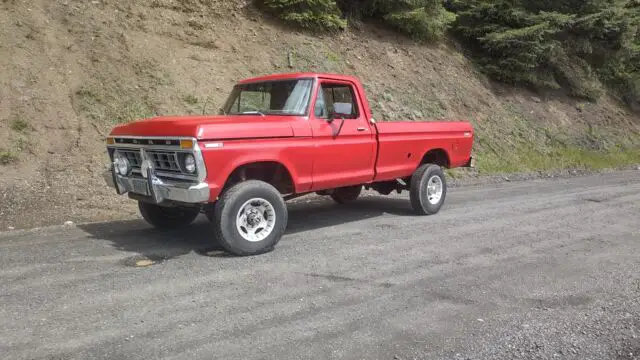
x,y
471,163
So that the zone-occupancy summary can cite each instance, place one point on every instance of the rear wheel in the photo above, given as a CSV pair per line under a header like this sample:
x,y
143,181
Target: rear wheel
x,y
250,218
428,189
166,218
345,195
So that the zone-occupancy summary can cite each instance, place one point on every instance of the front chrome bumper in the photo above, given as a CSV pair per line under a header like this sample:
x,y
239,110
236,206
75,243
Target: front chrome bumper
x,y
157,189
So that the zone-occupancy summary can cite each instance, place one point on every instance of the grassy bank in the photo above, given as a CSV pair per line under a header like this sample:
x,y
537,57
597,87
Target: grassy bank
x,y
522,160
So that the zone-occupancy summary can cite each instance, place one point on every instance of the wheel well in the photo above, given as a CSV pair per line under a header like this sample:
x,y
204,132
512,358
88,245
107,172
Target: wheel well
x,y
436,156
273,173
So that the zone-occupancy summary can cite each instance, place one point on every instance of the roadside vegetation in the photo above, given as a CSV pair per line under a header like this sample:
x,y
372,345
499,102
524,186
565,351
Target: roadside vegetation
x,y
420,19
7,157
581,47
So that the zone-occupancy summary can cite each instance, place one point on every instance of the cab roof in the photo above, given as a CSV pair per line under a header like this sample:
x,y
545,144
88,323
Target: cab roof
x,y
298,75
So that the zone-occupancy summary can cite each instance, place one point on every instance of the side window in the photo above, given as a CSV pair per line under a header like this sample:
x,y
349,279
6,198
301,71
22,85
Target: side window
x,y
338,99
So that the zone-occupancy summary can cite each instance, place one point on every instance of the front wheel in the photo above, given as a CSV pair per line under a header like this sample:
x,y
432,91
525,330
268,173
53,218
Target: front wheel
x,y
166,218
250,218
428,189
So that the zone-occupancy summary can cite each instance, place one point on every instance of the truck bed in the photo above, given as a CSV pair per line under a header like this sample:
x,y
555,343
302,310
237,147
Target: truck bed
x,y
402,145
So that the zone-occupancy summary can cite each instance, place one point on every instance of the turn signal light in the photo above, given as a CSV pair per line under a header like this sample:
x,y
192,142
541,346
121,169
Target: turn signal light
x,y
110,141
186,144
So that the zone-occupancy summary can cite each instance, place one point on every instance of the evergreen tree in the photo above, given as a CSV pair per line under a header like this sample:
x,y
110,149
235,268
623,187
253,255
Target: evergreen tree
x,y
568,44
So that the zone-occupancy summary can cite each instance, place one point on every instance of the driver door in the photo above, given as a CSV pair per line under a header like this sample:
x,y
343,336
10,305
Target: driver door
x,y
344,151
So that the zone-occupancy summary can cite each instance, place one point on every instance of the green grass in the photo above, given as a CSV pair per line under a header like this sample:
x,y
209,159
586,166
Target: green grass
x,y
21,143
570,158
333,57
190,99
511,141
556,158
19,125
132,111
110,108
7,157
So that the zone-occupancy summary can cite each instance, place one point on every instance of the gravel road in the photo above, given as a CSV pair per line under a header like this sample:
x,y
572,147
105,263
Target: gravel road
x,y
545,269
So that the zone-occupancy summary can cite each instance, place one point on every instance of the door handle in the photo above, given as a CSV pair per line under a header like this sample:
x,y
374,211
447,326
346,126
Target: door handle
x,y
362,129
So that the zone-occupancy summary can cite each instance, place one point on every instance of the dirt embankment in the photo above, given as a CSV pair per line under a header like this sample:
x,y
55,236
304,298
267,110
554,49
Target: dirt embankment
x,y
70,70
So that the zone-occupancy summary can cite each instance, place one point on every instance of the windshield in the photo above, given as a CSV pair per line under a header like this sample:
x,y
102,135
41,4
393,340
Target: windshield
x,y
284,97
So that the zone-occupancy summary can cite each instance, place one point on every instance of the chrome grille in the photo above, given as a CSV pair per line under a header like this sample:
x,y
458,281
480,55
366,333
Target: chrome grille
x,y
133,156
164,161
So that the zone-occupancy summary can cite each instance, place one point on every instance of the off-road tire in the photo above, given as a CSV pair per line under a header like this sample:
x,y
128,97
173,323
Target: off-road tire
x,y
418,189
226,212
166,218
347,194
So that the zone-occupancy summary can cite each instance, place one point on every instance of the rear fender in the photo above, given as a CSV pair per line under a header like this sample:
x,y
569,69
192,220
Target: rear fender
x,y
439,156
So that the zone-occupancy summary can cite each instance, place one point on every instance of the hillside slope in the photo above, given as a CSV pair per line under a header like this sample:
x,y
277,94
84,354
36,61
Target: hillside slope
x,y
71,70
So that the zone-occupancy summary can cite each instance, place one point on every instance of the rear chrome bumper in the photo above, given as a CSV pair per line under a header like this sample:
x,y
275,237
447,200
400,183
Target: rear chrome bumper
x,y
158,189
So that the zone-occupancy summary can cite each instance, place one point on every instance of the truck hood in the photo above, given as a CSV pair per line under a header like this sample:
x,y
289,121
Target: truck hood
x,y
207,127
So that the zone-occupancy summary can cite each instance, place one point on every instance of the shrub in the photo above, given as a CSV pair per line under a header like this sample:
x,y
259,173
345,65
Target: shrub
x,y
309,14
424,23
7,157
19,125
420,19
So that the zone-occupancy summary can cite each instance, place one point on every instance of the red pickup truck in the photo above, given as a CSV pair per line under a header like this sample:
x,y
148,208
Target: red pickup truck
x,y
278,137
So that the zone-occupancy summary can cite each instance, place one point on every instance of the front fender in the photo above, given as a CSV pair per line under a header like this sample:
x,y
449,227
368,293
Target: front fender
x,y
223,161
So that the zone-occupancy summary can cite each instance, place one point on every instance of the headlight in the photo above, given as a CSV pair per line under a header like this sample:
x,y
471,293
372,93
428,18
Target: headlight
x,y
190,163
121,164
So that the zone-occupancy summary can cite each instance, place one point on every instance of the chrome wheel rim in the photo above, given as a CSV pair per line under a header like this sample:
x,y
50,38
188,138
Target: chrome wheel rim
x,y
256,220
434,190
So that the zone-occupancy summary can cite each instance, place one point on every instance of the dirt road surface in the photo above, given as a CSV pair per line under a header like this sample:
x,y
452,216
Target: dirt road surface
x,y
546,269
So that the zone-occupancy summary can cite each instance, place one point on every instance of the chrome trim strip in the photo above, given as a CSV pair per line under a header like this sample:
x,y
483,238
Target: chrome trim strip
x,y
152,137
201,168
150,147
191,178
176,176
185,151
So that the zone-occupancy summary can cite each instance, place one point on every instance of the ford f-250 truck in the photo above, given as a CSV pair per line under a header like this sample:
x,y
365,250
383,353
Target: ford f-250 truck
x,y
278,137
